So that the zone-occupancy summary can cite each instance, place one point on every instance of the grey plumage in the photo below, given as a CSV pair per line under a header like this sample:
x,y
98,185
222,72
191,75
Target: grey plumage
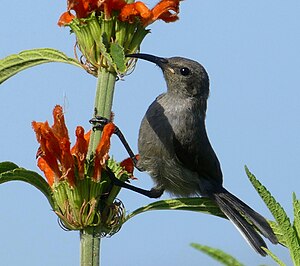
x,y
175,150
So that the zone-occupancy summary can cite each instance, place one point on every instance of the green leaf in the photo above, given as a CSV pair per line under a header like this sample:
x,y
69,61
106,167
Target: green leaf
x,y
117,53
15,63
274,257
218,255
30,177
103,43
203,205
278,232
7,166
287,230
296,205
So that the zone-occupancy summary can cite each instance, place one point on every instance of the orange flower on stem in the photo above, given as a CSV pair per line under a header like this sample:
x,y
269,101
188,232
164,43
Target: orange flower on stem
x,y
80,149
77,182
147,16
101,153
128,12
107,30
83,8
57,160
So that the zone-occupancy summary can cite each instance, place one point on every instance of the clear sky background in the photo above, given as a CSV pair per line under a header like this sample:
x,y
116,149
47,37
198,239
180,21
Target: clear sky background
x,y
251,50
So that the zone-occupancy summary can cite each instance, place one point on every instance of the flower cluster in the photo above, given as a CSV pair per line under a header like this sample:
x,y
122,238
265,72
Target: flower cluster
x,y
127,11
78,183
55,157
106,30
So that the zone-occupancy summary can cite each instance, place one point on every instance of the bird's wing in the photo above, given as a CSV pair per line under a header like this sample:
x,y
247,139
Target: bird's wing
x,y
198,155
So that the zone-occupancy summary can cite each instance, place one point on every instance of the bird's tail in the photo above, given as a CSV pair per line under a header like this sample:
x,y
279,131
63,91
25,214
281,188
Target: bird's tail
x,y
246,220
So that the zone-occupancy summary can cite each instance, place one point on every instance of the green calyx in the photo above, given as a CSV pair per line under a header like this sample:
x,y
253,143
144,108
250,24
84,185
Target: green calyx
x,y
90,203
105,42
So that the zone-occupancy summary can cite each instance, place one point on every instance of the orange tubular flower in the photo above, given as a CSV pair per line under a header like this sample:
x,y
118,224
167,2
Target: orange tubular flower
x,y
127,12
147,16
80,149
83,8
57,160
101,154
128,165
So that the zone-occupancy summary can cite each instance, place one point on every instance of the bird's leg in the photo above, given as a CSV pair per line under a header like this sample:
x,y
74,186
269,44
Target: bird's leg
x,y
155,192
99,122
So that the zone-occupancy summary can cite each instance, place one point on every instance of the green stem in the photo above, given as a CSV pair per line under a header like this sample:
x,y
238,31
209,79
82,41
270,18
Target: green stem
x,y
103,102
89,241
89,247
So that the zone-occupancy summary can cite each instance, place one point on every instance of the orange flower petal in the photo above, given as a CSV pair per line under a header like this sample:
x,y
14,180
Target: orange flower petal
x,y
79,150
49,146
82,7
111,5
128,13
65,18
67,162
162,11
49,174
59,126
49,142
104,144
168,17
81,146
137,9
128,165
97,170
101,153
143,11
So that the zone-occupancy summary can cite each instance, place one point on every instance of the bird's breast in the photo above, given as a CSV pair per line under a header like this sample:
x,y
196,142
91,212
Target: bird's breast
x,y
165,120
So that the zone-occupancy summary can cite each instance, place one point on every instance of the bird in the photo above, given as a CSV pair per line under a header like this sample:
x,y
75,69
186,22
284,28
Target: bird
x,y
175,150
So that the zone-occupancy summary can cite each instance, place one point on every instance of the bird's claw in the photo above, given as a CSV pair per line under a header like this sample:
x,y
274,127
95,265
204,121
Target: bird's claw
x,y
99,122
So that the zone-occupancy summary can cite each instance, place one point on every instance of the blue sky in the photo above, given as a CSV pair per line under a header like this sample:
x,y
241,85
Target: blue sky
x,y
251,52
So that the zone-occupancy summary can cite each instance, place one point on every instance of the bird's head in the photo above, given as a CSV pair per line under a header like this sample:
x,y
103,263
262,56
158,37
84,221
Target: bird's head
x,y
183,76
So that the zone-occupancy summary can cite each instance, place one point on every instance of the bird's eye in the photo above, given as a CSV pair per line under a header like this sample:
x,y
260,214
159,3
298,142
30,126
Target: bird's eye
x,y
184,71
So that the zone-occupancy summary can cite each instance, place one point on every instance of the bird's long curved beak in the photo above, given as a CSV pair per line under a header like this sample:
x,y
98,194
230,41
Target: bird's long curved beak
x,y
160,61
